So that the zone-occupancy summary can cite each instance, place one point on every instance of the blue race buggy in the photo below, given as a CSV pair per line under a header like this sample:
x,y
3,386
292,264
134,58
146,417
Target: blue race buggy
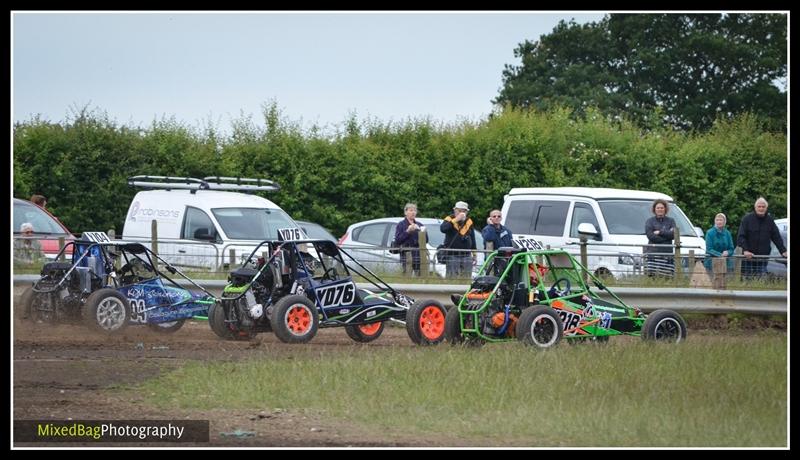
x,y
109,285
295,287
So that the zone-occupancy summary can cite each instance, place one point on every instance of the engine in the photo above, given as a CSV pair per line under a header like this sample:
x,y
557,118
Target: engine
x,y
498,319
53,303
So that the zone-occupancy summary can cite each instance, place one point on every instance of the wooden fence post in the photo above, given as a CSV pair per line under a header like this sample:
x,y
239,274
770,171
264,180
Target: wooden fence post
x,y
719,268
154,236
423,254
737,263
585,257
678,263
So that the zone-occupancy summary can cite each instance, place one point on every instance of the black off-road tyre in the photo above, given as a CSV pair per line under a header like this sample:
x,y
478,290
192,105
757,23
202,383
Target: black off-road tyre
x,y
540,326
106,311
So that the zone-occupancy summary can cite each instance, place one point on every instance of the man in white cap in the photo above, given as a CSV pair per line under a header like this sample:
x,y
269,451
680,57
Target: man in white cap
x,y
459,241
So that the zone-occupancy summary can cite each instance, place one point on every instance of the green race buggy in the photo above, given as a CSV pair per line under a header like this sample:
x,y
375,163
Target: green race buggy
x,y
541,297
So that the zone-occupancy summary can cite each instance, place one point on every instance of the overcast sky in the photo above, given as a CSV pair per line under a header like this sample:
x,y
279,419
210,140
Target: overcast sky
x,y
318,67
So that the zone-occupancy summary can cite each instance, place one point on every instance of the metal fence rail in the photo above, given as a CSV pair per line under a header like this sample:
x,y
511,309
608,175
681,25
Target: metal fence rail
x,y
683,300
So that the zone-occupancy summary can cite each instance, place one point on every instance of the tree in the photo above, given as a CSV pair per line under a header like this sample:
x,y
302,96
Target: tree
x,y
686,69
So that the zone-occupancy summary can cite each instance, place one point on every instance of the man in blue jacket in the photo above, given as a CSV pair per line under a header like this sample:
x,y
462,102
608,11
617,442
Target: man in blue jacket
x,y
496,233
755,233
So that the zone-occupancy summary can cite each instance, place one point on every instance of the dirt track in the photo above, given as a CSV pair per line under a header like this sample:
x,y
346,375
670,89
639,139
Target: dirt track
x,y
66,372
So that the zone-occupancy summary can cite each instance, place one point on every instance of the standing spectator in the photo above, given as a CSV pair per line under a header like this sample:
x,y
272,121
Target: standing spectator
x,y
659,229
719,243
496,233
27,250
406,235
39,200
459,241
755,232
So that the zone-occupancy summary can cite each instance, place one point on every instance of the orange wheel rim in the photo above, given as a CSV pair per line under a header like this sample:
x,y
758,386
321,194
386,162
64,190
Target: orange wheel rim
x,y
370,329
298,319
431,322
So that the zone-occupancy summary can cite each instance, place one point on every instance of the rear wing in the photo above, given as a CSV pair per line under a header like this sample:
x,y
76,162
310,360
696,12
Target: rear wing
x,y
238,184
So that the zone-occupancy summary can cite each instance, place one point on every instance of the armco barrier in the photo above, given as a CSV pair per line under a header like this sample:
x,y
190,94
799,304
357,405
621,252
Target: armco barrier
x,y
684,300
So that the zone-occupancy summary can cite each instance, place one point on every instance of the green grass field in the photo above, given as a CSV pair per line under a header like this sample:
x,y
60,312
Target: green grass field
x,y
711,391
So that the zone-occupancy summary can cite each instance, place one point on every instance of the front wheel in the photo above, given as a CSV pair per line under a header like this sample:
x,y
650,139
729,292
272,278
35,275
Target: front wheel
x,y
295,319
107,311
540,326
168,327
664,325
365,332
425,322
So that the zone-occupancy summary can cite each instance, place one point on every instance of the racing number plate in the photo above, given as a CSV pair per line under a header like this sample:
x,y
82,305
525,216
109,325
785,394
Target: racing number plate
x,y
528,243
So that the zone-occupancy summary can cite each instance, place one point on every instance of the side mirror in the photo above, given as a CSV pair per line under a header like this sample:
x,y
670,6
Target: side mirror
x,y
588,230
202,234
699,232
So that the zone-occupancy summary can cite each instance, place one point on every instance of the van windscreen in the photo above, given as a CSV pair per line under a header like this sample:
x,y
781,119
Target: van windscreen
x,y
252,223
627,217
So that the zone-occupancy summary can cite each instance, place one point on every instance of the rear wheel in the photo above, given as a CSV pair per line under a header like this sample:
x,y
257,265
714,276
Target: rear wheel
x,y
217,326
23,308
223,329
295,319
166,328
664,325
425,322
452,327
540,326
107,311
365,332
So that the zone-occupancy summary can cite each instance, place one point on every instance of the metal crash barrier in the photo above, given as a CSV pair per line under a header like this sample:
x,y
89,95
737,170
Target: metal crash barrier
x,y
683,300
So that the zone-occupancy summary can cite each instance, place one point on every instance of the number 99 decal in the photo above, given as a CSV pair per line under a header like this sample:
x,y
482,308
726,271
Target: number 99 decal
x,y
138,311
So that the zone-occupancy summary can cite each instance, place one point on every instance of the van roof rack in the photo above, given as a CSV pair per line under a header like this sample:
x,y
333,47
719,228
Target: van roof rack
x,y
239,184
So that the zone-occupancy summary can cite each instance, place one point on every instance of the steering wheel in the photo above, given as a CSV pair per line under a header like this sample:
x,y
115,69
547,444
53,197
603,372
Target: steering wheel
x,y
558,290
330,274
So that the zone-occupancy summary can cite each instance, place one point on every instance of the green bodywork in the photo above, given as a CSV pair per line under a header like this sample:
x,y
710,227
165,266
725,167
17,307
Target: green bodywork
x,y
520,291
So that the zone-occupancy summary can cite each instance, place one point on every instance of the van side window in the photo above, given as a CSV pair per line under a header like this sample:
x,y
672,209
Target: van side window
x,y
198,226
583,213
551,217
519,217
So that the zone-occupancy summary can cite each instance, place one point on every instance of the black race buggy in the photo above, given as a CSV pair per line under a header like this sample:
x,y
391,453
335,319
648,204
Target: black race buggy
x,y
293,288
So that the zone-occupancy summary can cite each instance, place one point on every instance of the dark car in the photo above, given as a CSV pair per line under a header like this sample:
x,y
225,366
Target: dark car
x,y
316,231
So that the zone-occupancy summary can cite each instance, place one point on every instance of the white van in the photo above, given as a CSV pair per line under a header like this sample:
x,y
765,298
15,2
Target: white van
x,y
201,220
551,215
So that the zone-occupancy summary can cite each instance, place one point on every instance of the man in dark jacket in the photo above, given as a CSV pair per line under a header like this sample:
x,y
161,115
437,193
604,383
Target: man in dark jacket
x,y
755,233
459,233
496,233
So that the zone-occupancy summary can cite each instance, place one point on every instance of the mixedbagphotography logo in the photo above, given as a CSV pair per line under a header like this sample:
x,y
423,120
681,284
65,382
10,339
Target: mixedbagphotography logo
x,y
111,430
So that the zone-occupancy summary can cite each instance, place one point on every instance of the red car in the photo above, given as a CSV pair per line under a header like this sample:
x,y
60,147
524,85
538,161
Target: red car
x,y
46,228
